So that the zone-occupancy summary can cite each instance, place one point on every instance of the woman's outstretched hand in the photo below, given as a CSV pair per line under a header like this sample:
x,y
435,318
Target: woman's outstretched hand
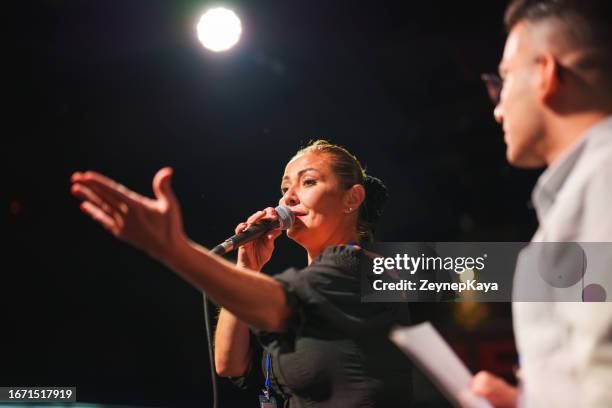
x,y
153,225
255,254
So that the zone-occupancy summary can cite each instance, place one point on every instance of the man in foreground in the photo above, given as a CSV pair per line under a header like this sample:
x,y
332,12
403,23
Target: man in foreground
x,y
555,105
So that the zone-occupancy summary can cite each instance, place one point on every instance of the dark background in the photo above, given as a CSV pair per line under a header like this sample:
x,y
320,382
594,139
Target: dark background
x,y
124,87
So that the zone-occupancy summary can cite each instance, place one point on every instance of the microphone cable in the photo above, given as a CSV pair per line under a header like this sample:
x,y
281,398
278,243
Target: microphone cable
x,y
285,219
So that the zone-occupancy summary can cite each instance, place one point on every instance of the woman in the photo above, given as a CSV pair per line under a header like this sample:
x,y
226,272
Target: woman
x,y
323,347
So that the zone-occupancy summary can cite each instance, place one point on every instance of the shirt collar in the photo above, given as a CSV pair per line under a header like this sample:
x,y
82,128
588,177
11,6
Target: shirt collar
x,y
550,182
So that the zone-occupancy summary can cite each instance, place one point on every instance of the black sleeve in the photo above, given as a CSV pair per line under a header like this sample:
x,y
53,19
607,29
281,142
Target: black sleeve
x,y
326,298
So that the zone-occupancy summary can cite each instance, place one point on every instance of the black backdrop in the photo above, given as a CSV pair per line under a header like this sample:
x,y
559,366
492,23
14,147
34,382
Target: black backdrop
x,y
123,87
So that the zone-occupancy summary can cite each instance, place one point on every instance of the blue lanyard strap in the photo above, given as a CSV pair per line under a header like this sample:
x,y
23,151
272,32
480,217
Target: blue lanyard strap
x,y
267,382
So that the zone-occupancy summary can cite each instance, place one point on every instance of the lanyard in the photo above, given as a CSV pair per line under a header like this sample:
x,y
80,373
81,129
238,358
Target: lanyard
x,y
265,400
267,382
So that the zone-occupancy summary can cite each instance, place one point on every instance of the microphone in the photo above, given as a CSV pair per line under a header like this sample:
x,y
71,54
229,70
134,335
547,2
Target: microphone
x,y
284,221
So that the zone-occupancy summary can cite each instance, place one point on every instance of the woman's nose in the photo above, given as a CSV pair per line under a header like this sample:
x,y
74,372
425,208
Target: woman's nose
x,y
289,198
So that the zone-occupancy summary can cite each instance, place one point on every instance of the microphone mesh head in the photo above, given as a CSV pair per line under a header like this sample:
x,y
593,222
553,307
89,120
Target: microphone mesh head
x,y
285,217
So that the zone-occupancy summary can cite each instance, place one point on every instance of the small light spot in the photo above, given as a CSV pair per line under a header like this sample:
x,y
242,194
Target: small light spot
x,y
466,275
15,208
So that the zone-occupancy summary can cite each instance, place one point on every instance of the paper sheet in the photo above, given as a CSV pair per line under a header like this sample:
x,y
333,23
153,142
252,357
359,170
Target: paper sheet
x,y
428,350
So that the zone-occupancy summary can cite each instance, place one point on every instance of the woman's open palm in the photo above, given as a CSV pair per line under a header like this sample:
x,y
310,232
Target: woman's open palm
x,y
153,225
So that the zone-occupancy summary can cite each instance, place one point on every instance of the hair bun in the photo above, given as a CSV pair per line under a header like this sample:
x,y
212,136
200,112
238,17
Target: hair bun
x,y
376,198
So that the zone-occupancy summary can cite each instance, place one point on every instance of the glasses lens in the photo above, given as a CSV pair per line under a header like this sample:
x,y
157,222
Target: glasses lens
x,y
494,86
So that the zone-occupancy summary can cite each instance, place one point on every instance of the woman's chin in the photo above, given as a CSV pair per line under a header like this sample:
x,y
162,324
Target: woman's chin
x,y
297,232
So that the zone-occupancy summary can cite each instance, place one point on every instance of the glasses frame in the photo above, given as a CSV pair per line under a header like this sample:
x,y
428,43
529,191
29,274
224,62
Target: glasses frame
x,y
494,85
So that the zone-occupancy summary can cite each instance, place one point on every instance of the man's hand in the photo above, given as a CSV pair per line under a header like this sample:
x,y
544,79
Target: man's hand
x,y
496,390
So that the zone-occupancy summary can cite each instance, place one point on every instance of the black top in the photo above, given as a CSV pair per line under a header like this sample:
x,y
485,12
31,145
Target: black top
x,y
335,351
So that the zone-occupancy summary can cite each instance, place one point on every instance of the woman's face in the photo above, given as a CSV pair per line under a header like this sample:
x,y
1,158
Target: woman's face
x,y
314,194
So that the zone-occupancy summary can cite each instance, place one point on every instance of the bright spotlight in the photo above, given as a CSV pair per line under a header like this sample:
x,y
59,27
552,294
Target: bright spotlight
x,y
219,29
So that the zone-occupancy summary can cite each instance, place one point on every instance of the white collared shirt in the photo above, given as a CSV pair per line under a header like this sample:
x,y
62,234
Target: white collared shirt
x,y
566,347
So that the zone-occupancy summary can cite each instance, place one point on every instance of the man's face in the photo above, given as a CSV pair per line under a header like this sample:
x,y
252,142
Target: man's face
x,y
519,110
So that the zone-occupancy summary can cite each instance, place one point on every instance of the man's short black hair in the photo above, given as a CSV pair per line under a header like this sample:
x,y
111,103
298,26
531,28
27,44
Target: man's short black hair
x,y
590,19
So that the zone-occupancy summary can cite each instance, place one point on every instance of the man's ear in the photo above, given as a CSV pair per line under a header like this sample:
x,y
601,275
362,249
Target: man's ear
x,y
354,196
549,78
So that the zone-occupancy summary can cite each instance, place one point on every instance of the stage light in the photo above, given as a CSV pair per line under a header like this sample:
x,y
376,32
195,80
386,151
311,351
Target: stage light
x,y
219,29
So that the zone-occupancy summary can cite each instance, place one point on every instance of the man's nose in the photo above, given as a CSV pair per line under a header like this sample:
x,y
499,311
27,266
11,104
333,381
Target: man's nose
x,y
498,114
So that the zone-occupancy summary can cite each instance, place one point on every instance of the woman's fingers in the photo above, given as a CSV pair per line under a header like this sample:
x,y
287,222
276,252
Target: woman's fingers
x,y
272,235
117,211
97,214
267,214
270,213
94,194
256,253
146,223
255,217
107,189
240,227
85,193
163,189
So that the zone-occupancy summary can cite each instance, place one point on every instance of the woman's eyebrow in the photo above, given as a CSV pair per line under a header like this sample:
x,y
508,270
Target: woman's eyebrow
x,y
299,173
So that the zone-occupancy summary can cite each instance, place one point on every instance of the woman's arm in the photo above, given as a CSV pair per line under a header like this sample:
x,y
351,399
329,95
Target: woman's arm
x,y
232,339
232,346
155,226
256,299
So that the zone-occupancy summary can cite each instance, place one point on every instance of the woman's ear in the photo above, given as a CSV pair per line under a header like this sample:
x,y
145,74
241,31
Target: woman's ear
x,y
353,197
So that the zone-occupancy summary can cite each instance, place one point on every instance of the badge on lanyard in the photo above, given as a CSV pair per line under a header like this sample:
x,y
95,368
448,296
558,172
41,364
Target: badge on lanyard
x,y
266,400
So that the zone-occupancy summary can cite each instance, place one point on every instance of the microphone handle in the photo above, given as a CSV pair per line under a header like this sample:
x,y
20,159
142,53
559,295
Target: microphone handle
x,y
254,232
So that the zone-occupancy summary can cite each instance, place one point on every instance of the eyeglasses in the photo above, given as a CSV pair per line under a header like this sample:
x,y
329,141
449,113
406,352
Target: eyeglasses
x,y
494,86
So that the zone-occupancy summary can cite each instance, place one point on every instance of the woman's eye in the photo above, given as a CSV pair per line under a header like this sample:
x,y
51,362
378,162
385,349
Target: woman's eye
x,y
310,182
283,191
